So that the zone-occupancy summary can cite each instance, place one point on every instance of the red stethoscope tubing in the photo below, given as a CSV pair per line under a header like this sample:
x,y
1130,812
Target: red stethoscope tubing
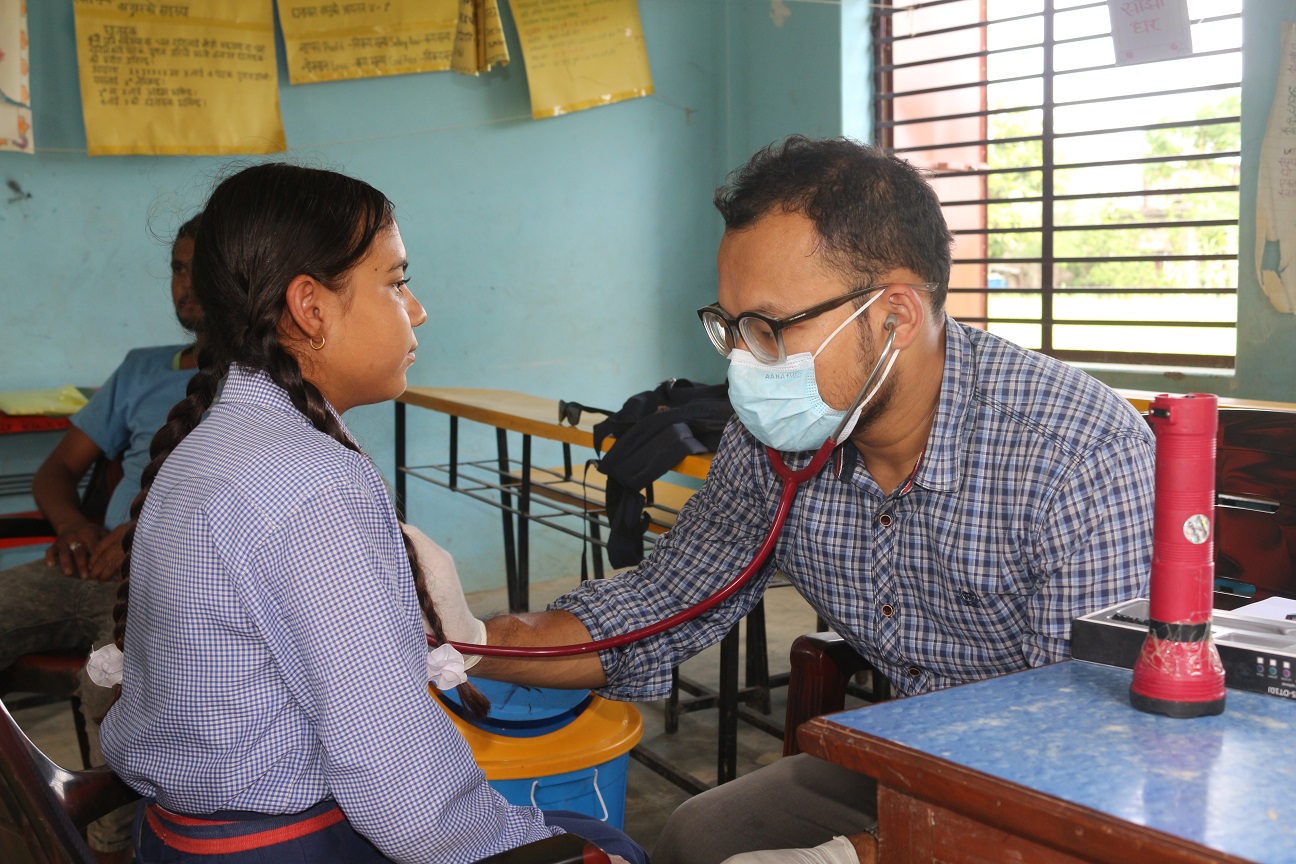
x,y
791,480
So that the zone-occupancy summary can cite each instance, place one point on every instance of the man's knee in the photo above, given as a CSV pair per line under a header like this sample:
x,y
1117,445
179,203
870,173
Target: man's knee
x,y
710,827
695,833
797,802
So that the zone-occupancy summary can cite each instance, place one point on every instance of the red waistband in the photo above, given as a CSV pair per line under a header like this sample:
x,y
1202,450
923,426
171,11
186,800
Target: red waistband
x,y
227,845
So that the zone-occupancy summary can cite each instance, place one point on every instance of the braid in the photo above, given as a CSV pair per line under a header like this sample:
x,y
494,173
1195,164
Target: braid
x,y
181,420
473,699
305,396
286,372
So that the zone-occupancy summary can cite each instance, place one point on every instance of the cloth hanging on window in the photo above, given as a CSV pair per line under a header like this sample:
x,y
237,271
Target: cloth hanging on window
x,y
1276,187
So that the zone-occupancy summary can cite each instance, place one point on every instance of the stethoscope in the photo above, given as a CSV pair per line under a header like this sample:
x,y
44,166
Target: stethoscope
x,y
792,480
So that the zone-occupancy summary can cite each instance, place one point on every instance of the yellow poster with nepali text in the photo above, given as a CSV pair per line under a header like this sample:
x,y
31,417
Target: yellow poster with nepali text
x,y
366,39
581,53
181,77
479,38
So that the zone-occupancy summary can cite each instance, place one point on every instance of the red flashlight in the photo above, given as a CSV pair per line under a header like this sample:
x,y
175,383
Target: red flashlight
x,y
1178,671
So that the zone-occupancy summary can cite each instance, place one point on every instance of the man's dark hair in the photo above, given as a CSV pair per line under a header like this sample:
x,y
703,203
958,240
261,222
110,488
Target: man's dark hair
x,y
874,213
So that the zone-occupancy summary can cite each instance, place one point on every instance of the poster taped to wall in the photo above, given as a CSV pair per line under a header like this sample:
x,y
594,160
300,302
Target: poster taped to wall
x,y
479,38
1276,193
581,53
15,84
338,41
183,77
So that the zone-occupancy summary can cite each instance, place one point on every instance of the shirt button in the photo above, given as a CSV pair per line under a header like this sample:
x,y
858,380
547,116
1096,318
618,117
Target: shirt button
x,y
888,610
914,671
885,520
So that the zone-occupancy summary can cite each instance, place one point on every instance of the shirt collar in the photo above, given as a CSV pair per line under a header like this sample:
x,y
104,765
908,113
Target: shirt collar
x,y
940,470
256,387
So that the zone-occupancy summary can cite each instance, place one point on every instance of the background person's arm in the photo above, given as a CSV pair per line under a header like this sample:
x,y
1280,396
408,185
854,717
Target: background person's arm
x,y
106,559
54,486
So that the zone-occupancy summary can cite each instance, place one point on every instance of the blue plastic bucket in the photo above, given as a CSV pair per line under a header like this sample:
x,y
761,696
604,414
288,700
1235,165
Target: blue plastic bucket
x,y
599,791
522,711
553,749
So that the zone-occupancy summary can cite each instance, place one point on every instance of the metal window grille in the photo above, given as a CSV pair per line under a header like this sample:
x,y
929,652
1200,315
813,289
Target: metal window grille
x,y
1094,205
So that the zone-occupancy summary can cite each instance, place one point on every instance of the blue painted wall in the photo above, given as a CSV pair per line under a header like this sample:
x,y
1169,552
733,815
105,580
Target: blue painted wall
x,y
785,74
561,257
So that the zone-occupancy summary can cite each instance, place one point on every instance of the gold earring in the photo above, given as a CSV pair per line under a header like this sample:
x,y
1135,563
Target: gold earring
x,y
319,346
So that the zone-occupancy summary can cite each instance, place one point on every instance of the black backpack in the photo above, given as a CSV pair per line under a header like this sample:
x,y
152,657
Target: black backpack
x,y
654,430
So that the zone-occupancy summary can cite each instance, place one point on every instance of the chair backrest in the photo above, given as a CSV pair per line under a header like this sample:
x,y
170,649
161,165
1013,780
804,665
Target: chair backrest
x,y
1255,507
43,807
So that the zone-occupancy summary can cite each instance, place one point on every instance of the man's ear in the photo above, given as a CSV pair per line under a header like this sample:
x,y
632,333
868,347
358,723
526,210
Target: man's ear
x,y
908,308
304,306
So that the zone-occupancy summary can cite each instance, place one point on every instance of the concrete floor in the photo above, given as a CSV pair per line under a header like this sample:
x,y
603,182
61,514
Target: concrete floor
x,y
649,797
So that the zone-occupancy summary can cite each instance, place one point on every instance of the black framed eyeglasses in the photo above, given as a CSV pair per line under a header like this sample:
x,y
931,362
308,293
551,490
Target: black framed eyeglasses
x,y
763,335
571,412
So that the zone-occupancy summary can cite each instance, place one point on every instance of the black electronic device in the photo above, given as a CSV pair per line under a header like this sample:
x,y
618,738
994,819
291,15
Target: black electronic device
x,y
1259,654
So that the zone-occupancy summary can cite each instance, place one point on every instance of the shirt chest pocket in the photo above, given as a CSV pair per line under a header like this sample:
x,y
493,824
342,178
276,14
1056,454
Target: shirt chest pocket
x,y
984,595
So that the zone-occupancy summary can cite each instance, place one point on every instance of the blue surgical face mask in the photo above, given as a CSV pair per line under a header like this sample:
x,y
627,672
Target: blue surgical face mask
x,y
779,403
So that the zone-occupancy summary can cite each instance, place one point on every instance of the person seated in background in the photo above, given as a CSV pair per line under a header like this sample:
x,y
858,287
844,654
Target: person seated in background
x,y
274,668
977,498
64,601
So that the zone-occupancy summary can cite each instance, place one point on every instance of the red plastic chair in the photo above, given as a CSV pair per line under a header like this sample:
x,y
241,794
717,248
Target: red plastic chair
x,y
1255,505
43,807
53,675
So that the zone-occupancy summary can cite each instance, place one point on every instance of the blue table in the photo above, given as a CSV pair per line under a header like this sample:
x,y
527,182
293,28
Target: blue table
x,y
1054,765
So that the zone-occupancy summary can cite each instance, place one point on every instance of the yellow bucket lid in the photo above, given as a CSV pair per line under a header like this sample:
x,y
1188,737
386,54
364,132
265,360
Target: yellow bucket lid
x,y
600,733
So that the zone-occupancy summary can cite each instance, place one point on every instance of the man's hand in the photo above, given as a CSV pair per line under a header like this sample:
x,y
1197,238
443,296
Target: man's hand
x,y
72,550
55,489
106,560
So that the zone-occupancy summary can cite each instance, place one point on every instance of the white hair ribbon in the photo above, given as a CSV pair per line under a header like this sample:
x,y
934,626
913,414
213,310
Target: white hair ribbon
x,y
105,665
445,667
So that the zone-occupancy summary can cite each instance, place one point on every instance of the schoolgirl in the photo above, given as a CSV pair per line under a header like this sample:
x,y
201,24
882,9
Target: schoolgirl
x,y
273,702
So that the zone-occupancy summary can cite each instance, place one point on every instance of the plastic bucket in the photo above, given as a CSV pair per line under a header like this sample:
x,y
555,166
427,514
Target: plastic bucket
x,y
520,711
599,791
553,749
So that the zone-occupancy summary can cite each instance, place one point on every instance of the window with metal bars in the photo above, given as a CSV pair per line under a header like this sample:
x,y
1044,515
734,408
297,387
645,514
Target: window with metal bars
x,y
1094,205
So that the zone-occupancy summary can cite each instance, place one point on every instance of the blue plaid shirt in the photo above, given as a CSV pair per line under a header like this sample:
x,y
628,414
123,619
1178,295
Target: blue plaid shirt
x,y
274,650
1031,505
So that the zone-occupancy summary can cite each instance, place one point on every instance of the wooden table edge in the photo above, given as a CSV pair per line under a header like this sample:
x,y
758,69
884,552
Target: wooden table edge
x,y
1068,827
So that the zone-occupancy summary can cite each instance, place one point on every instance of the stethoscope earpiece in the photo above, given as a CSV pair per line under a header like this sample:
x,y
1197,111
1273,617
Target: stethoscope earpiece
x,y
891,322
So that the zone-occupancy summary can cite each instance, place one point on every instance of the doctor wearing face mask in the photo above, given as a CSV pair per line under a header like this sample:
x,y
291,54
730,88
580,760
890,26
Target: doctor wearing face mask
x,y
776,395
976,498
